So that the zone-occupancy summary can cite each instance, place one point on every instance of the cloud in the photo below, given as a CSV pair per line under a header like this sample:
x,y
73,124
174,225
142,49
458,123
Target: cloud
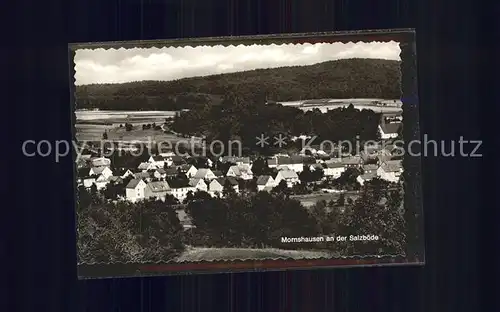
x,y
124,65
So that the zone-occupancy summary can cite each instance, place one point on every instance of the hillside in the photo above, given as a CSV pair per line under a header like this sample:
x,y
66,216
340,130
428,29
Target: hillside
x,y
349,78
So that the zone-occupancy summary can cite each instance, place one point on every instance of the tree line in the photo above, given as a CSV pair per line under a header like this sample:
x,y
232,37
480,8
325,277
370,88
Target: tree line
x,y
348,78
150,230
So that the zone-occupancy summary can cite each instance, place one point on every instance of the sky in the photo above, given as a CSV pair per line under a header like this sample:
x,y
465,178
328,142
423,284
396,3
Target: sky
x,y
126,65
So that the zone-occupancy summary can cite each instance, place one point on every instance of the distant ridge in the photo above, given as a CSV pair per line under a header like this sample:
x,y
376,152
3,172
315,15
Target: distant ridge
x,y
348,78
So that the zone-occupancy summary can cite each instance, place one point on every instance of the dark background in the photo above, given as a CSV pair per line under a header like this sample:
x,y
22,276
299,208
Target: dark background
x,y
38,215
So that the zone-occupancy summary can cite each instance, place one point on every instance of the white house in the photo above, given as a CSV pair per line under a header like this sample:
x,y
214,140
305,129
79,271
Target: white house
x,y
158,161
101,181
157,190
240,171
102,170
366,177
289,176
352,161
265,182
204,173
198,184
295,163
135,189
216,186
390,170
333,170
180,191
191,171
389,130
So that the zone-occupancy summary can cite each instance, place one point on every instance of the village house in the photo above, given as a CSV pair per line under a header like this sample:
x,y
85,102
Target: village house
x,y
145,166
180,190
175,161
158,161
240,171
389,130
144,175
135,189
290,176
370,168
333,170
101,181
156,190
352,161
167,154
265,182
216,186
102,170
366,177
199,184
100,162
159,173
390,170
204,173
191,171
294,162
235,160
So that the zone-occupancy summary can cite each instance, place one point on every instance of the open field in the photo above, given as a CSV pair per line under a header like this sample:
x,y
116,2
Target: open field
x,y
327,104
90,125
194,254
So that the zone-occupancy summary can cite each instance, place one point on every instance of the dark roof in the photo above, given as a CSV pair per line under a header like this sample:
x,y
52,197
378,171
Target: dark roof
x,y
218,173
231,180
178,183
158,158
171,171
133,183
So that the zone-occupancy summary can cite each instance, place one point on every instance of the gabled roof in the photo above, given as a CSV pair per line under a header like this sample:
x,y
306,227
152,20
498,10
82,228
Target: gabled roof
x,y
218,173
202,173
233,159
159,186
143,166
391,165
195,181
263,179
160,171
100,161
133,183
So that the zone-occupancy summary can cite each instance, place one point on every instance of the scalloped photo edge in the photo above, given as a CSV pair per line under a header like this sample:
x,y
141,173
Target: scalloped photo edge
x,y
159,214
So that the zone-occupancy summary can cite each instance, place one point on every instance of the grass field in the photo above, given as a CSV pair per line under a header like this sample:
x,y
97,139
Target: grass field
x,y
194,254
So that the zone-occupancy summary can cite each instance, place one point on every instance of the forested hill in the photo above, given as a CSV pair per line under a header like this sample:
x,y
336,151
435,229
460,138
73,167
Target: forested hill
x,y
348,78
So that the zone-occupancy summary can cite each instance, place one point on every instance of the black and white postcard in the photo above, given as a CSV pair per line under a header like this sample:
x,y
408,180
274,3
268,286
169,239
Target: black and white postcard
x,y
244,153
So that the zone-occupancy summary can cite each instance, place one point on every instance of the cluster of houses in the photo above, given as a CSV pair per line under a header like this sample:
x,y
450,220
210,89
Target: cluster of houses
x,y
156,177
